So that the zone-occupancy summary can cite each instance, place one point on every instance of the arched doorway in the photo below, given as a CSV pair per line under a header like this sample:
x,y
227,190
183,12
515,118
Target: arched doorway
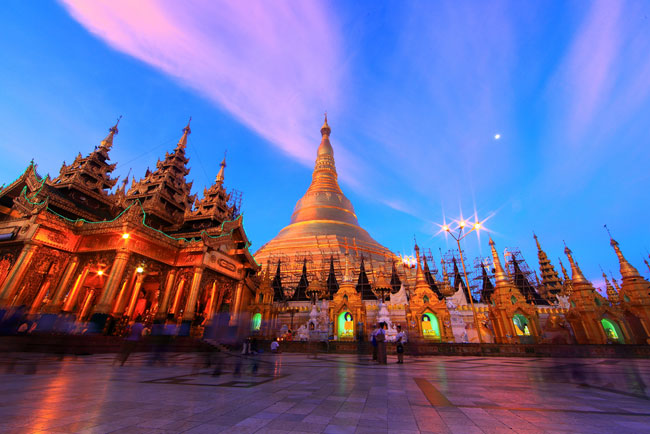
x,y
345,325
521,325
256,322
430,326
612,331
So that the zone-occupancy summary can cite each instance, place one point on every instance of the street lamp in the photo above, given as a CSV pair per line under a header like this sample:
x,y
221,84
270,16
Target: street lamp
x,y
458,236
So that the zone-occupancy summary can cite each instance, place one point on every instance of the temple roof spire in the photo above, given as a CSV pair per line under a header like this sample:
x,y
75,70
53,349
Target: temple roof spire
x,y
107,143
182,143
220,175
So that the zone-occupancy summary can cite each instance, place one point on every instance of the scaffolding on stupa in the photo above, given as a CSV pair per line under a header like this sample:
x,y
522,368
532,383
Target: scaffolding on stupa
x,y
521,275
457,281
431,262
484,289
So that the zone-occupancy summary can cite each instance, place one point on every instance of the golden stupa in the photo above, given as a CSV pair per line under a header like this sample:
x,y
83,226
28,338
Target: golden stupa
x,y
324,225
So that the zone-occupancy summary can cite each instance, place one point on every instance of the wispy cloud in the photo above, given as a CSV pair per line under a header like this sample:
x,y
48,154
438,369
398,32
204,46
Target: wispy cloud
x,y
587,73
272,65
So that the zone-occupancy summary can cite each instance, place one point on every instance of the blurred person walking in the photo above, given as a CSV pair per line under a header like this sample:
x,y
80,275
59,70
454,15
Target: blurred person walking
x,y
400,340
131,341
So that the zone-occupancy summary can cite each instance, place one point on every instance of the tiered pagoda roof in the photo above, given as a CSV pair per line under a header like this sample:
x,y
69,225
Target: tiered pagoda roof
x,y
165,193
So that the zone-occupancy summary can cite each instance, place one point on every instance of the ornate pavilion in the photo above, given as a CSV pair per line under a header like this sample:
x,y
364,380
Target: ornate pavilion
x,y
76,244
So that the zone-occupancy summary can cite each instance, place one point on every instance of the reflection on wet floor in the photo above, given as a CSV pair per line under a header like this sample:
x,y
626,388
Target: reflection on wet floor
x,y
333,393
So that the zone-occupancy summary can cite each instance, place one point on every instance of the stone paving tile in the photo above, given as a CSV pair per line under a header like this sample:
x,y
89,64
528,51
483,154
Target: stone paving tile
x,y
336,393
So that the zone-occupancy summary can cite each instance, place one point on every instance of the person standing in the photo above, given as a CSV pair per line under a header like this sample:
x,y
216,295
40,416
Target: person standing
x,y
373,339
381,344
400,340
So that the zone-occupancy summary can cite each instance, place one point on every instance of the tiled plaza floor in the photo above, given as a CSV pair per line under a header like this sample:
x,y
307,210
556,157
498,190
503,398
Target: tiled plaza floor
x,y
332,394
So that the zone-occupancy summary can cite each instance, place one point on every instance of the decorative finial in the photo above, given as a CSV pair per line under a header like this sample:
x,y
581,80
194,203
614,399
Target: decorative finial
x,y
183,140
221,175
608,233
325,129
113,129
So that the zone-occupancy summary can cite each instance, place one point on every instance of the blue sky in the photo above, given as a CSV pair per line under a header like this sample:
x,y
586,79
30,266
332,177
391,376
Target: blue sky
x,y
415,92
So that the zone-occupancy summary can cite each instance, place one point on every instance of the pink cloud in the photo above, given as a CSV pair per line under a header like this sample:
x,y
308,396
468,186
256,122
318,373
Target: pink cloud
x,y
588,69
272,65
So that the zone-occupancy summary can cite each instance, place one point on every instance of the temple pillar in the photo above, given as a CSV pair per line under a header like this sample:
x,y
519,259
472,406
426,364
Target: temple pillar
x,y
169,284
177,296
17,273
54,306
235,310
211,303
134,294
39,297
85,306
112,283
190,305
117,306
71,299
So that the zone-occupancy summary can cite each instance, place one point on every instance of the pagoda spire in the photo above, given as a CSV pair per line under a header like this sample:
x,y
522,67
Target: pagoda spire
x,y
499,273
332,284
278,292
446,287
488,289
504,289
550,280
612,295
107,143
615,282
325,177
568,287
564,272
576,273
419,272
627,270
347,276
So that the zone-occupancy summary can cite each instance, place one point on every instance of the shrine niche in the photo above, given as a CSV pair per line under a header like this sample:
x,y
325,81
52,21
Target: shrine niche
x,y
429,325
345,325
346,311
